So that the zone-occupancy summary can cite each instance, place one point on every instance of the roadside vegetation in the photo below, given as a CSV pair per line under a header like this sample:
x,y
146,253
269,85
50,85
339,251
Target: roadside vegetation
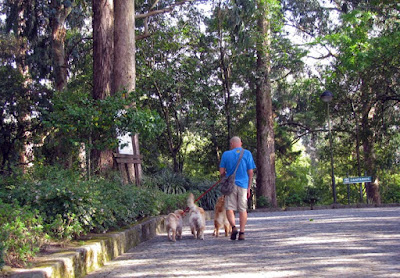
x,y
72,84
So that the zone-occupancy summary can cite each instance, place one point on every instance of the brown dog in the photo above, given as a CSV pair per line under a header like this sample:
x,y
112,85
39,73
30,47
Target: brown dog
x,y
220,219
173,224
197,218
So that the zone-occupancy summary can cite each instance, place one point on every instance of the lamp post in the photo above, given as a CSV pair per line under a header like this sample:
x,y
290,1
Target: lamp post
x,y
327,97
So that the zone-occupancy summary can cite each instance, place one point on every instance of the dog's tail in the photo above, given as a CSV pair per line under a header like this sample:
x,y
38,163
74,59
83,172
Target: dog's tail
x,y
190,201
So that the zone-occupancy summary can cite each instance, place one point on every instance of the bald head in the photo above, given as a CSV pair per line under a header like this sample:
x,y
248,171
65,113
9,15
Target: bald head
x,y
235,142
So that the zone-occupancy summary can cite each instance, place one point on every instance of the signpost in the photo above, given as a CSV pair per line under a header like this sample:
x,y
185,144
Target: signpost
x,y
356,180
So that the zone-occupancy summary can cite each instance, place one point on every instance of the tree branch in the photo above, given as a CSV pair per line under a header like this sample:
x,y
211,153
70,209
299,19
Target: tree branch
x,y
282,77
150,13
162,11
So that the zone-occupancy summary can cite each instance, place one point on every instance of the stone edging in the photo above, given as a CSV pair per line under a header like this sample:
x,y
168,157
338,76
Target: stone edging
x,y
101,248
91,256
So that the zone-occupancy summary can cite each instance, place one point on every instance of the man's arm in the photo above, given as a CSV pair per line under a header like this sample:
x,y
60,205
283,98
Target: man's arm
x,y
222,172
250,174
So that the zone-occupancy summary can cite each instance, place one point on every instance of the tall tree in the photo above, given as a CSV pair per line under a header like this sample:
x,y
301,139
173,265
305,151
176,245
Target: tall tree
x,y
364,72
265,117
225,70
58,17
169,78
125,58
103,65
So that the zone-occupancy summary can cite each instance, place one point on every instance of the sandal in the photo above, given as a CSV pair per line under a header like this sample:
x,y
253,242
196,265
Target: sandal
x,y
241,236
234,233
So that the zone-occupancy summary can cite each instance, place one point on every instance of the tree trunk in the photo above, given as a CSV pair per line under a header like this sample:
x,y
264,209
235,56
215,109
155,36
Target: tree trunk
x,y
124,56
103,59
225,76
372,188
265,122
57,23
124,44
24,118
103,48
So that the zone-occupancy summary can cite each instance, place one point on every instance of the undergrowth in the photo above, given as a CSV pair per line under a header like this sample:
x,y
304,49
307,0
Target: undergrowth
x,y
51,204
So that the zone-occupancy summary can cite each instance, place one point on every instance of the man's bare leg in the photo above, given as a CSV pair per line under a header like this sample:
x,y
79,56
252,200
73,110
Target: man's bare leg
x,y
243,220
231,217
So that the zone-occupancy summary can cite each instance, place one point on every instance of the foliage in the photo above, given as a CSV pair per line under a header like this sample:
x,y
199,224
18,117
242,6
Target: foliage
x,y
72,206
172,183
167,181
390,187
18,106
209,200
2,250
51,203
78,118
312,196
293,175
262,202
168,79
21,233
184,110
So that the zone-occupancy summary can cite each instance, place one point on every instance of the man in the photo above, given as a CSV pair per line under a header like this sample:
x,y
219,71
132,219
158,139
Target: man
x,y
237,200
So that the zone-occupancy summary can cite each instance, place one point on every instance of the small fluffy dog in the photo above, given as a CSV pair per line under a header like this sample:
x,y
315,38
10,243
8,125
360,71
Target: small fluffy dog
x,y
197,218
173,224
220,219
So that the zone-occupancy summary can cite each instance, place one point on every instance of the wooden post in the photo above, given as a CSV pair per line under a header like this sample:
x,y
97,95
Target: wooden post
x,y
127,163
138,166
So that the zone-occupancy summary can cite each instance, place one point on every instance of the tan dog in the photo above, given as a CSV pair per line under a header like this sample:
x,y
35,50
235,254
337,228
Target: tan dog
x,y
220,219
197,218
173,224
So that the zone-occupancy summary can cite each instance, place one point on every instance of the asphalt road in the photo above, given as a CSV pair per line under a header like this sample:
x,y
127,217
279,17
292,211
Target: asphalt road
x,y
362,242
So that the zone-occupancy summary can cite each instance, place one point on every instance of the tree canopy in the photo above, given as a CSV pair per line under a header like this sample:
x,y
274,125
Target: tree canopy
x,y
206,71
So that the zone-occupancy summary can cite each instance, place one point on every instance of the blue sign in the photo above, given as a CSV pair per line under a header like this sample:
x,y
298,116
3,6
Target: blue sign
x,y
357,179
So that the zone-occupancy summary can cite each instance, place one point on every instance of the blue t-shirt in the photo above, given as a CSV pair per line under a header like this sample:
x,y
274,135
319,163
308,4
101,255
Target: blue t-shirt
x,y
229,160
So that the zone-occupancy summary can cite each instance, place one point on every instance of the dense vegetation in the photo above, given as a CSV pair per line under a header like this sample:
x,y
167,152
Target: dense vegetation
x,y
197,84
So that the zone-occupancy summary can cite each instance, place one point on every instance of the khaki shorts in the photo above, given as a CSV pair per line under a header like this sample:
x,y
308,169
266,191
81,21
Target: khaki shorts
x,y
237,200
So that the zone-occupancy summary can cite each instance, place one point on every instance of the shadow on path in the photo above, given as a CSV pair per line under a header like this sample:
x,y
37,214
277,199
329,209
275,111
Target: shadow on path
x,y
321,243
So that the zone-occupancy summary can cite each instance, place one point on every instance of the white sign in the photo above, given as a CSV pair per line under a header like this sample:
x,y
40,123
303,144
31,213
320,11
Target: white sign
x,y
125,140
125,144
357,180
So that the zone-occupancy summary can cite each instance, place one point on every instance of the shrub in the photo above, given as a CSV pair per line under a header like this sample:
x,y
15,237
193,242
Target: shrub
x,y
21,234
209,200
168,182
2,251
262,202
72,207
312,196
59,203
176,184
294,199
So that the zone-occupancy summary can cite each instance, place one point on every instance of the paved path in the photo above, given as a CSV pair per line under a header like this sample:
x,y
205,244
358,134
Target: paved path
x,y
321,243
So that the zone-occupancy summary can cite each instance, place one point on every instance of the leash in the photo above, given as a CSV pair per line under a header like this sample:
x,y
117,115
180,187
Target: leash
x,y
208,190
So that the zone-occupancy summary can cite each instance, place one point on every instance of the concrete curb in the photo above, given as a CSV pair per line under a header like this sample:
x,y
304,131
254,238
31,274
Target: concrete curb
x,y
96,251
101,248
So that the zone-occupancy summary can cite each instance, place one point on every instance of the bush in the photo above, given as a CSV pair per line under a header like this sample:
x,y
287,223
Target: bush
x,y
262,202
176,184
21,234
312,196
72,206
57,202
168,182
2,251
